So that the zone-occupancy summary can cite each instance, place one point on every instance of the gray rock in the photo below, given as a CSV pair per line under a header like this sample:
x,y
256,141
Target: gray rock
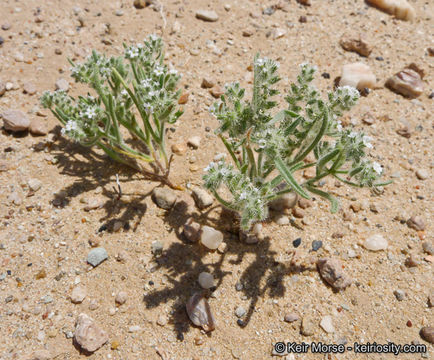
x,y
399,294
62,84
202,198
157,247
78,295
164,198
29,88
240,312
331,271
206,280
291,317
210,237
97,256
15,120
428,247
121,297
207,15
34,184
191,230
327,324
199,312
38,127
307,326
416,223
88,335
286,201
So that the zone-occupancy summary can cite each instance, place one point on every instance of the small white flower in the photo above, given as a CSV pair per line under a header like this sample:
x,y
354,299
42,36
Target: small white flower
x,y
339,126
210,166
262,143
124,92
132,52
159,70
366,141
349,90
148,108
173,72
243,195
260,62
90,113
377,168
352,135
153,37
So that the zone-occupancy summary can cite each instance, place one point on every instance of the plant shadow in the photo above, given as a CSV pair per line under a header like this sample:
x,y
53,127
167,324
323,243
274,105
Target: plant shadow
x,y
92,170
183,262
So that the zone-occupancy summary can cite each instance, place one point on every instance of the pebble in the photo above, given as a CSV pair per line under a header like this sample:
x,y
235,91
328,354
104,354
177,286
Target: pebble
x,y
307,326
62,84
357,75
375,243
216,92
278,33
327,324
121,298
15,120
162,320
78,295
304,2
179,149
427,333
199,312
240,312
2,88
316,245
164,198
207,15
296,243
281,220
416,223
140,4
411,261
202,198
286,201
34,184
428,247
206,280
210,237
6,26
356,44
157,247
93,203
399,294
207,83
291,317
117,225
88,335
430,301
38,127
194,142
422,174
41,355
97,256
406,82
298,213
191,230
304,203
29,88
331,271
401,9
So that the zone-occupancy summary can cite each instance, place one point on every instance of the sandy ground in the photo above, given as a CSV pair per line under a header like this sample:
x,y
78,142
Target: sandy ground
x,y
37,235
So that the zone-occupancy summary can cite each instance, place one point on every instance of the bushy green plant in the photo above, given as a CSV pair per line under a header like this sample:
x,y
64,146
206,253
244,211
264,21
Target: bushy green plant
x,y
132,94
267,148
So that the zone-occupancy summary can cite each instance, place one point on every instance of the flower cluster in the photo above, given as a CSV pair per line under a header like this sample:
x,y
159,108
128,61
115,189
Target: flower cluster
x,y
140,79
261,141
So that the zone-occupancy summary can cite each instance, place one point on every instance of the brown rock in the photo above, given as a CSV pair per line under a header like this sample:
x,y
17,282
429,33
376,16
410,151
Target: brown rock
x,y
15,120
304,203
179,149
401,9
304,2
38,127
416,223
298,213
183,99
216,92
140,4
164,198
207,83
199,312
331,271
407,82
2,88
88,335
247,32
427,333
404,132
356,44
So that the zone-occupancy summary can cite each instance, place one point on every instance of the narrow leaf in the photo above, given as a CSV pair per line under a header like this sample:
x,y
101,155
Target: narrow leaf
x,y
287,176
334,202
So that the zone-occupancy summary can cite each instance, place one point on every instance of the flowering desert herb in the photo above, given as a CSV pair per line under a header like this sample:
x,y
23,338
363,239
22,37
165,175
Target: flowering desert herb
x,y
268,147
136,94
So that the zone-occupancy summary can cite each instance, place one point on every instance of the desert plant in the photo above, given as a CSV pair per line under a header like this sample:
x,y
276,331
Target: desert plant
x,y
137,83
260,142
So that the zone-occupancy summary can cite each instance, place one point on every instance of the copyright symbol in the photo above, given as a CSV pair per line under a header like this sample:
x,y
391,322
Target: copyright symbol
x,y
279,347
